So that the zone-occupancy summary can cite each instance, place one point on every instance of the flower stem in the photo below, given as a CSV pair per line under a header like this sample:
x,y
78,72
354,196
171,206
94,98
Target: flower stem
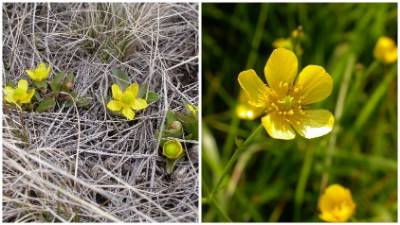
x,y
338,114
233,159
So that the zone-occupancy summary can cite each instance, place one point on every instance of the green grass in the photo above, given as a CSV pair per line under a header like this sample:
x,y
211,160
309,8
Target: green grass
x,y
273,180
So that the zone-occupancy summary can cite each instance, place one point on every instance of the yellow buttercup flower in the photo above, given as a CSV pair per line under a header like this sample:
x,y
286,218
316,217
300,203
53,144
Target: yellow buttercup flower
x,y
385,50
41,72
20,94
126,101
283,43
246,111
284,101
336,204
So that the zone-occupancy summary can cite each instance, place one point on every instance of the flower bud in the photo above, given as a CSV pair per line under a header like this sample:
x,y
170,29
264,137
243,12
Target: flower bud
x,y
172,149
69,85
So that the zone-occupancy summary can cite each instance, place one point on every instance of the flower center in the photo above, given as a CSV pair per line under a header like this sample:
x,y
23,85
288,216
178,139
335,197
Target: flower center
x,y
289,107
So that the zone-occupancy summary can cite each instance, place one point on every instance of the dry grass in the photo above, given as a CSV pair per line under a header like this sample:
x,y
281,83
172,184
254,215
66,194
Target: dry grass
x,y
87,165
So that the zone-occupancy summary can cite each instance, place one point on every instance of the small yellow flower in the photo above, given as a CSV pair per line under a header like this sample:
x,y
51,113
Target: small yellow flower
x,y
385,50
20,94
244,110
283,43
336,204
41,72
126,101
285,101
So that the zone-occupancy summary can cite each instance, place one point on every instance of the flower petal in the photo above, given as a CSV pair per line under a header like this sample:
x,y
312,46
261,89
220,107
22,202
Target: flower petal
x,y
128,113
31,74
114,106
246,111
139,103
28,96
8,94
314,84
116,92
254,87
23,85
281,70
133,89
42,71
277,128
315,123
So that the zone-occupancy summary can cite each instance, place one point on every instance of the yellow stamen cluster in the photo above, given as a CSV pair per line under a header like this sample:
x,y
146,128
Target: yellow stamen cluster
x,y
289,108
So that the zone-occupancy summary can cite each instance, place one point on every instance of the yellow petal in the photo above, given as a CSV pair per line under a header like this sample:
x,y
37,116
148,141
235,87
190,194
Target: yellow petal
x,y
133,89
31,74
28,96
281,70
128,113
23,85
253,86
116,92
277,127
139,103
315,123
114,106
246,111
8,94
42,71
336,204
385,50
314,84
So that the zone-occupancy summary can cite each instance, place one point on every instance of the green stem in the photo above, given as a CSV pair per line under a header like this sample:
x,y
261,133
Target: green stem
x,y
338,114
301,184
233,159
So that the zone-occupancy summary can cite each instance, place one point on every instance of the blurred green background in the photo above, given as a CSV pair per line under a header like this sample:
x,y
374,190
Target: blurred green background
x,y
275,180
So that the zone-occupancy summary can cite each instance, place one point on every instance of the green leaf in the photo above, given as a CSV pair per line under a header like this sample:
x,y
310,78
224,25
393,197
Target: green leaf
x,y
152,97
143,90
69,78
46,104
40,84
83,101
57,82
122,79
171,117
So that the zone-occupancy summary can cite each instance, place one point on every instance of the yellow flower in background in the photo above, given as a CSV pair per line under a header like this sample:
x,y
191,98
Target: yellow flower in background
x,y
41,72
246,111
126,101
336,204
385,50
283,43
285,100
20,94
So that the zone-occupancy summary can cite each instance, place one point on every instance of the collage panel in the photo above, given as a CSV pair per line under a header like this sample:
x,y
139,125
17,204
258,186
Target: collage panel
x,y
299,112
100,112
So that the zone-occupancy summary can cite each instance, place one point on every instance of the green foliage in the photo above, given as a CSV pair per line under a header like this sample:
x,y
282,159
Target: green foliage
x,y
121,78
274,180
46,104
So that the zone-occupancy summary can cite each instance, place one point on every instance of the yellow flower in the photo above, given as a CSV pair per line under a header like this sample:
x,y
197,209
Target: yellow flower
x,y
41,72
283,43
20,94
246,111
336,204
285,101
385,50
126,101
